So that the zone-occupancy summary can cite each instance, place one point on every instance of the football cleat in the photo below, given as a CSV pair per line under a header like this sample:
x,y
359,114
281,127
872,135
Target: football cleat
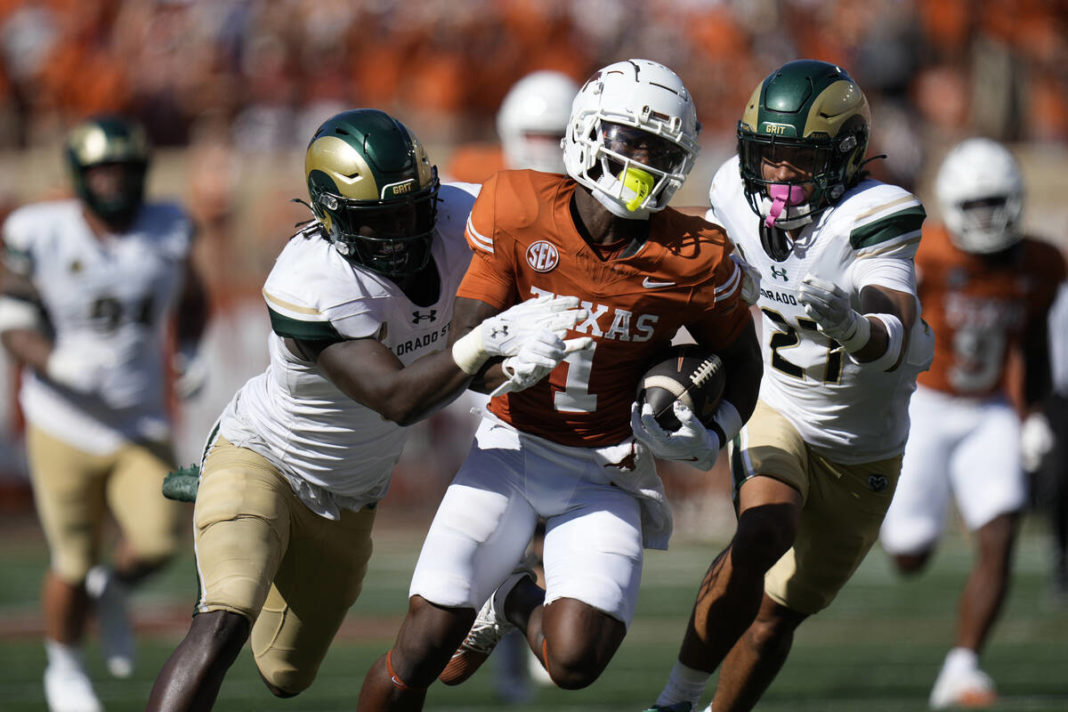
x,y
67,689
116,633
489,627
677,707
967,689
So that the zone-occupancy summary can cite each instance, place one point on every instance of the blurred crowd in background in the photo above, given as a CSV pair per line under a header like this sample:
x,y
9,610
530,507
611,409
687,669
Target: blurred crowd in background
x,y
231,90
233,79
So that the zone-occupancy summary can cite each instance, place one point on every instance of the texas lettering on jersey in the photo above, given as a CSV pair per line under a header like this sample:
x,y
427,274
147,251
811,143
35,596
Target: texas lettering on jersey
x,y
525,243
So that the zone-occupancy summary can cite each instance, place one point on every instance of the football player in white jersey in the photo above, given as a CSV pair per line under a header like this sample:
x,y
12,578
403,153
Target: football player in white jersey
x,y
815,467
91,287
361,307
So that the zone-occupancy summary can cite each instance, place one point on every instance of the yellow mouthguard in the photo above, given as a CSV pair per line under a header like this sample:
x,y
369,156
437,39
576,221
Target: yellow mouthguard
x,y
640,183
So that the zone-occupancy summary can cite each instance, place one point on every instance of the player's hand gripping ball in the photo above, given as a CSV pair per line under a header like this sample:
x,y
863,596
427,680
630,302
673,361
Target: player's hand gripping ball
x,y
688,374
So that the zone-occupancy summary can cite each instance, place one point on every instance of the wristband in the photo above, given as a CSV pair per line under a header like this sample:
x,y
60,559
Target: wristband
x,y
467,352
895,336
17,314
860,337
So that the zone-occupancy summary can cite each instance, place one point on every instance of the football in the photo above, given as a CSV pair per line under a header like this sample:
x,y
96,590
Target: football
x,y
688,374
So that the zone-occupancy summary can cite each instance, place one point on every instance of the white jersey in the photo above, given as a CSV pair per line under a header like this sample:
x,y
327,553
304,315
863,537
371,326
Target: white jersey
x,y
846,411
115,291
334,451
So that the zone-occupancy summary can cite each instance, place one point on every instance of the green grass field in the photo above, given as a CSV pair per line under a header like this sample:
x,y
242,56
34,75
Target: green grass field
x,y
877,649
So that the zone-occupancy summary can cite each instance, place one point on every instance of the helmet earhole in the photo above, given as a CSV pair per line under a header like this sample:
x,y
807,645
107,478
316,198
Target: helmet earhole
x,y
847,144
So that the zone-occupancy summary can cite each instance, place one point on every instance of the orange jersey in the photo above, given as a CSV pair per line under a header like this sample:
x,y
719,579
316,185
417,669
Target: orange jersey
x,y
980,309
525,243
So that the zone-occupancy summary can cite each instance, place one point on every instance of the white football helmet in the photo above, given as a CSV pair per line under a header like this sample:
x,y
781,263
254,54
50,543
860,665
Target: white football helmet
x,y
980,192
625,109
532,121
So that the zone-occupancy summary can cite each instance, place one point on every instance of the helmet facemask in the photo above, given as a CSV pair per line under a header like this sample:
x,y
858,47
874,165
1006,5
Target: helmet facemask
x,y
632,138
391,237
987,225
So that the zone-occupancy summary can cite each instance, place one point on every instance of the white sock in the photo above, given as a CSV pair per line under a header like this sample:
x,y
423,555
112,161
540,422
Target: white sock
x,y
961,659
63,656
685,684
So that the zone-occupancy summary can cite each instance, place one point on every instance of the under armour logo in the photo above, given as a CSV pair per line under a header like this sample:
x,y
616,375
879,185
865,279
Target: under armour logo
x,y
499,331
778,273
877,483
419,316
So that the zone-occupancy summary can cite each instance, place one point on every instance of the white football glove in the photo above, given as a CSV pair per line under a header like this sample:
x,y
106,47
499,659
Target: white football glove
x,y
692,443
79,366
538,356
503,334
190,372
828,305
1036,439
750,279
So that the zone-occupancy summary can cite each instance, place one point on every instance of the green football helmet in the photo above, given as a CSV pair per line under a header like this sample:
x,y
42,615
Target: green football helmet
x,y
374,190
817,114
109,140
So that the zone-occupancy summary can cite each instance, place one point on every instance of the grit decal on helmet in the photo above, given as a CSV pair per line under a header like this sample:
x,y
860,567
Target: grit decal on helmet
x,y
532,121
980,193
116,142
813,115
374,191
632,137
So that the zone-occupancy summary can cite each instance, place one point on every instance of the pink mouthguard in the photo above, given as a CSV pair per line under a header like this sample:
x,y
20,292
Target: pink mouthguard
x,y
782,196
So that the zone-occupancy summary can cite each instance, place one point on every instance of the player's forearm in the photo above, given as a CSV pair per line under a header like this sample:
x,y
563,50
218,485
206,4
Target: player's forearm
x,y
28,346
402,394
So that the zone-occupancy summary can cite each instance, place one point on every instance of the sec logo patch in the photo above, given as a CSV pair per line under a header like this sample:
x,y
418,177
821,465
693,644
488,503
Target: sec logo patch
x,y
542,256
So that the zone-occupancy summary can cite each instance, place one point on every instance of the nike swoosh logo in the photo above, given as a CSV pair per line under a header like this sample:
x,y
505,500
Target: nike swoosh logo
x,y
652,284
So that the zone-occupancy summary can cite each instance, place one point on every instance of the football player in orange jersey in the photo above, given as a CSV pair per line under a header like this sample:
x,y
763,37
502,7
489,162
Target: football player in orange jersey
x,y
571,448
986,291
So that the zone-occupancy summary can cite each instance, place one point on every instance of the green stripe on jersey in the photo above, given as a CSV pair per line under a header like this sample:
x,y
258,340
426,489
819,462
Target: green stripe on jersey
x,y
286,326
887,228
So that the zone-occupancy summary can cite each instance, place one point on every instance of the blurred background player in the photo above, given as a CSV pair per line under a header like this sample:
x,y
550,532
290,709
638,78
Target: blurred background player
x,y
572,449
986,291
361,307
91,288
814,468
531,123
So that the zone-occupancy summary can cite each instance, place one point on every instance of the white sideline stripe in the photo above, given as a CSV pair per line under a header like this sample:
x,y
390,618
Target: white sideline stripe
x,y
478,239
